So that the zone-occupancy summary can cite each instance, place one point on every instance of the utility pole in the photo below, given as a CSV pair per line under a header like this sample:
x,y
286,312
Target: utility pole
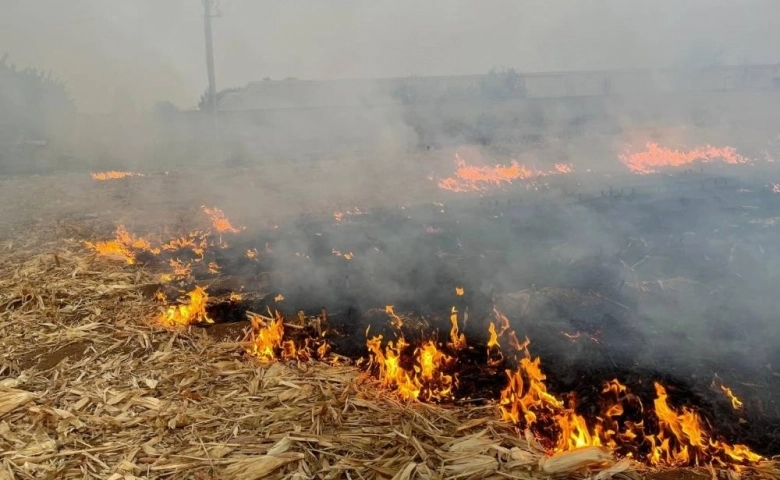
x,y
208,7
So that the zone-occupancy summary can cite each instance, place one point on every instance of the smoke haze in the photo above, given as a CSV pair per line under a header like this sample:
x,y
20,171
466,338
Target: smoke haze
x,y
149,50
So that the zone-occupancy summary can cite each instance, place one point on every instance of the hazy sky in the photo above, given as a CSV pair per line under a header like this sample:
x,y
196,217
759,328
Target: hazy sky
x,y
149,50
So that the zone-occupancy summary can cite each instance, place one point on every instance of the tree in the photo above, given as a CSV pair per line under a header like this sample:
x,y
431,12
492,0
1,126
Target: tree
x,y
29,101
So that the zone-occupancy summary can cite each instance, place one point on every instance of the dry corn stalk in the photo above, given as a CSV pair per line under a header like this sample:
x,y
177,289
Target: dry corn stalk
x,y
12,398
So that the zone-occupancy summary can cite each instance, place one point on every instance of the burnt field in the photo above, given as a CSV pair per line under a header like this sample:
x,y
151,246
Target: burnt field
x,y
671,279
645,280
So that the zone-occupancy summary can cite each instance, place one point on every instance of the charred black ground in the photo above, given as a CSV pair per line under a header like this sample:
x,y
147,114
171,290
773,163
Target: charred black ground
x,y
672,280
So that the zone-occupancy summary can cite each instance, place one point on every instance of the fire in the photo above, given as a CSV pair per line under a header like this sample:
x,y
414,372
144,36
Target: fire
x,y
471,178
681,438
459,291
267,338
776,187
180,269
113,175
395,320
736,403
424,380
190,313
219,221
123,246
656,157
458,339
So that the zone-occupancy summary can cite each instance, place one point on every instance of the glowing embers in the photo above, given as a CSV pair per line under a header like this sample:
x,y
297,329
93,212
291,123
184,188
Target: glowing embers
x,y
655,158
191,312
472,178
113,175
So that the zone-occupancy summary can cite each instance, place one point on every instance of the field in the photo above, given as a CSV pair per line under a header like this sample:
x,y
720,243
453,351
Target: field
x,y
666,278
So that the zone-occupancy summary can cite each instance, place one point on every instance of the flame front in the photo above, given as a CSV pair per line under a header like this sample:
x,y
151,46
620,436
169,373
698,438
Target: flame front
x,y
656,157
113,175
123,246
472,178
680,439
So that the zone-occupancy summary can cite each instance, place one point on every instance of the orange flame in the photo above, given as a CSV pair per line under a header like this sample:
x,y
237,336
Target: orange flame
x,y
113,175
266,338
471,178
219,221
680,440
424,380
187,314
736,403
458,339
656,157
122,247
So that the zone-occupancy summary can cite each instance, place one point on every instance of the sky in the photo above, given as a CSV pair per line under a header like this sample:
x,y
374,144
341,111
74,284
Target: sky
x,y
115,53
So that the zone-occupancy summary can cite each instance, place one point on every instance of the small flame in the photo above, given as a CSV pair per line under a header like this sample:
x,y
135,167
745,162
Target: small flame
x,y
279,298
251,253
736,403
122,247
113,175
656,157
180,269
458,340
219,221
190,313
395,320
459,291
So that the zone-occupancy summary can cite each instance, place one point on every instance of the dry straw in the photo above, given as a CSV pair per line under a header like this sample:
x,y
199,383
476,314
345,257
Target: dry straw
x,y
90,389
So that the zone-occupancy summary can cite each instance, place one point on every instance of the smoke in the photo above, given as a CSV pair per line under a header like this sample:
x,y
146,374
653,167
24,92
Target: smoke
x,y
672,274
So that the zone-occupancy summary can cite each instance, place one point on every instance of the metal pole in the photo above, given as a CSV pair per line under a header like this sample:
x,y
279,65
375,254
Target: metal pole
x,y
207,14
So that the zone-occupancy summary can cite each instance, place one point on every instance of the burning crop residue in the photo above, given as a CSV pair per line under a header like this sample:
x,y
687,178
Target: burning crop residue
x,y
417,363
655,158
472,178
123,247
188,313
113,175
659,436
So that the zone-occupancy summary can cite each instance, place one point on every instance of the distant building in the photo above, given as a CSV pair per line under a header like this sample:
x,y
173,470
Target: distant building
x,y
312,94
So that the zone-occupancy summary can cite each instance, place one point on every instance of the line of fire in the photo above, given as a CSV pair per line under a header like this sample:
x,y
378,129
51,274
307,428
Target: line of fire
x,y
575,358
